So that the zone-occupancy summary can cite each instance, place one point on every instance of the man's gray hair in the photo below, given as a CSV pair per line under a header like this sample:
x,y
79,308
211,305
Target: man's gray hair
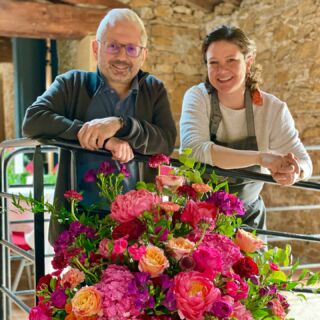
x,y
122,14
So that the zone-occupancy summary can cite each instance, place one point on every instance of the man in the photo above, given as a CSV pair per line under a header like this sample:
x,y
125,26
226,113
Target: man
x,y
119,108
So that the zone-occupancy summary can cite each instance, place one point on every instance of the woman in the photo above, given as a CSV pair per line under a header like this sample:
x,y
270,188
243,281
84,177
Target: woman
x,y
229,123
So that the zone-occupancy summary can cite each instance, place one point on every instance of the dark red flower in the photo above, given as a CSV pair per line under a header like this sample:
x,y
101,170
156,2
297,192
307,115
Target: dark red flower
x,y
44,282
133,229
156,160
187,191
73,195
245,267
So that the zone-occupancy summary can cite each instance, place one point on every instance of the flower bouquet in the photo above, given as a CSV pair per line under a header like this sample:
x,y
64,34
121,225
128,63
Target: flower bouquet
x,y
170,250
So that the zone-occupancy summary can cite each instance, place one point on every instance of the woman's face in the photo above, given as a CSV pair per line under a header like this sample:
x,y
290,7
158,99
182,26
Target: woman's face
x,y
227,67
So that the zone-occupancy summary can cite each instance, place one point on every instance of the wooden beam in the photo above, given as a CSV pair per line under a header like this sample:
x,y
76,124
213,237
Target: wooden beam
x,y
43,20
206,5
5,50
105,3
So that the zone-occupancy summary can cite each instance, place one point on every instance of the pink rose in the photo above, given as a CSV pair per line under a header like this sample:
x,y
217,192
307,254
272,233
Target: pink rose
x,y
105,248
195,294
247,241
194,212
153,261
179,247
132,204
72,278
170,182
120,245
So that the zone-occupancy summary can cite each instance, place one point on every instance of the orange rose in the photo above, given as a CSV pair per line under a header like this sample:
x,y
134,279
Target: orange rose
x,y
201,187
87,302
153,261
180,247
247,241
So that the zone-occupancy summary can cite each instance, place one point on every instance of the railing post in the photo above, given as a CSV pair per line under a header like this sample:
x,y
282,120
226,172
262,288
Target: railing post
x,y
39,217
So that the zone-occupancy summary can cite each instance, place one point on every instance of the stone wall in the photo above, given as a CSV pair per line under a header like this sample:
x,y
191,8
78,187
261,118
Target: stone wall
x,y
286,34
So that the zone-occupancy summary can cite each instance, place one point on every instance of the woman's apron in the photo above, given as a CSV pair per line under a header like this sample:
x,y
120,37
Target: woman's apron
x,y
247,190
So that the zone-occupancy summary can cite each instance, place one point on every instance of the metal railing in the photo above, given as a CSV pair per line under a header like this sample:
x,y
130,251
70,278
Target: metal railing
x,y
37,147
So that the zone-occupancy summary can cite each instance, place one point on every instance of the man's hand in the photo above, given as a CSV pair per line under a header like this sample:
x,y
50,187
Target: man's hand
x,y
120,149
285,170
93,133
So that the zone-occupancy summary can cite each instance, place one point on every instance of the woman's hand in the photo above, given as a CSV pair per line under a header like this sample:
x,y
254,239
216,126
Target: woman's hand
x,y
285,170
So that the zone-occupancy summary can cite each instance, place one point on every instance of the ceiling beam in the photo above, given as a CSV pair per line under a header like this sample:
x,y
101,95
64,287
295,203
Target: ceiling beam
x,y
43,20
105,3
5,50
206,5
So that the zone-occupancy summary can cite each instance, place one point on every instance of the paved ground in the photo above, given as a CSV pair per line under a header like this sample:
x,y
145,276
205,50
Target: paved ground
x,y
305,310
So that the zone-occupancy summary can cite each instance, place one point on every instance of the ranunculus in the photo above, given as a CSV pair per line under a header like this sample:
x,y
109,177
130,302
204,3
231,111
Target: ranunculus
x,y
40,312
153,262
246,267
87,302
247,241
120,245
170,182
131,205
236,288
201,187
72,278
133,229
194,212
195,294
240,312
59,298
179,247
207,259
277,309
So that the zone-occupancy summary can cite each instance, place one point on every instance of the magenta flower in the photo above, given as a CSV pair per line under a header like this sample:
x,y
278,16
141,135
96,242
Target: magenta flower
x,y
158,159
106,168
207,259
90,176
116,301
123,170
221,309
228,203
59,298
73,195
40,312
137,252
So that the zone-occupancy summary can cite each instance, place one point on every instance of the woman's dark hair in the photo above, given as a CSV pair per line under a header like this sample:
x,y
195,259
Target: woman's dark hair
x,y
246,46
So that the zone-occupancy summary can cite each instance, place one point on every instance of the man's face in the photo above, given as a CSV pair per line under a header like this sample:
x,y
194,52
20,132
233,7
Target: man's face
x,y
119,68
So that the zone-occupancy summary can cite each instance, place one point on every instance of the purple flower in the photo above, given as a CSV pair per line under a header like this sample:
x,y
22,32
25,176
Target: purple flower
x,y
221,309
59,298
255,280
227,203
166,282
272,289
106,168
187,263
170,301
124,171
164,233
90,176
263,291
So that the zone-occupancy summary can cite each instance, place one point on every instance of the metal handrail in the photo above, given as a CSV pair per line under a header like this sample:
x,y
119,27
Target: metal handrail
x,y
43,143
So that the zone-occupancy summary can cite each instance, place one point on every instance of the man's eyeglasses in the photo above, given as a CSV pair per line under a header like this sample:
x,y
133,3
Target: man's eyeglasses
x,y
132,50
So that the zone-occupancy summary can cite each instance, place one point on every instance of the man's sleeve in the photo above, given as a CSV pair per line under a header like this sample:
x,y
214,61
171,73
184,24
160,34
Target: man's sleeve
x,y
48,116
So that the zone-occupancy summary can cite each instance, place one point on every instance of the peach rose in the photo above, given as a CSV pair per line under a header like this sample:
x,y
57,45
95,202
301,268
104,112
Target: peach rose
x,y
73,277
87,302
201,187
247,241
153,261
179,247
